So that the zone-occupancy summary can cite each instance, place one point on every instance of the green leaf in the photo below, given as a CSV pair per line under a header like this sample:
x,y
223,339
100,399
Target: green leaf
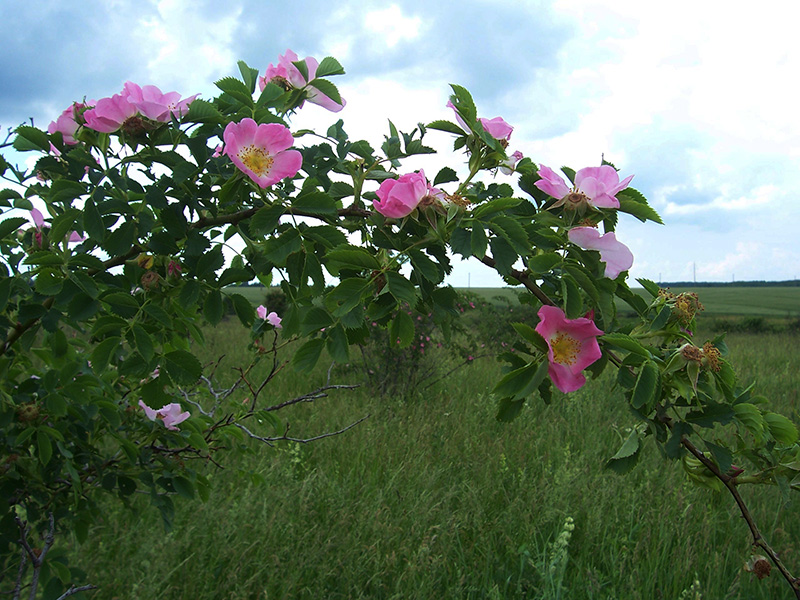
x,y
445,175
643,212
351,257
30,138
249,75
508,409
620,340
425,267
544,263
183,486
315,203
448,127
144,344
201,111
337,345
314,320
532,336
234,275
749,416
573,300
266,219
276,249
401,288
101,355
306,357
521,382
478,241
347,295
329,66
495,206
49,282
401,332
183,367
327,88
236,89
9,226
45,446
464,104
125,305
781,428
243,309
212,307
93,222
645,392
627,456
651,287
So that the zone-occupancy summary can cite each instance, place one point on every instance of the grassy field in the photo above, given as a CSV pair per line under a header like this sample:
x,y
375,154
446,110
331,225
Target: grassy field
x,y
718,301
430,497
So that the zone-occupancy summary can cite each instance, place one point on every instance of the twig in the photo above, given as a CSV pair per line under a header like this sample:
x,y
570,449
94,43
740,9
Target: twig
x,y
285,437
311,396
74,590
758,540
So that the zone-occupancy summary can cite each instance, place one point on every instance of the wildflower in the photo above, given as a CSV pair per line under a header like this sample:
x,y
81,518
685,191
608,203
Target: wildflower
x,y
498,129
596,186
110,114
288,76
613,253
397,198
508,165
272,318
572,346
261,151
67,123
154,104
170,414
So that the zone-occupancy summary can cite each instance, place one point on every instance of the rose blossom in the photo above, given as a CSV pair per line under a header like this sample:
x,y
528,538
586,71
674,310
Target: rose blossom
x,y
154,104
572,346
170,414
261,151
287,75
109,114
399,197
272,318
613,253
67,123
596,185
507,166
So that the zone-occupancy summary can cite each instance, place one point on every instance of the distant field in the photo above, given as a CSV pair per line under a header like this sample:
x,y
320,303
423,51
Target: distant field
x,y
768,301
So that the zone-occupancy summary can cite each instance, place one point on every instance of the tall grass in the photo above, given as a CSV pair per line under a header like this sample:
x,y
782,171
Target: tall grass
x,y
433,498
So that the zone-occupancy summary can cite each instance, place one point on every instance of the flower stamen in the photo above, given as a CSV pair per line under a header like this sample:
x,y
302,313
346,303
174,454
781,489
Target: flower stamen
x,y
565,349
256,159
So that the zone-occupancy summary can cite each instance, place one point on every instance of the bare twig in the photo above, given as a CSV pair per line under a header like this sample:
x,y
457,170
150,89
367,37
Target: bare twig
x,y
311,396
285,437
75,589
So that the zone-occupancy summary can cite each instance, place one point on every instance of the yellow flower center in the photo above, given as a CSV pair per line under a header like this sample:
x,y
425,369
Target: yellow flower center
x,y
565,349
256,159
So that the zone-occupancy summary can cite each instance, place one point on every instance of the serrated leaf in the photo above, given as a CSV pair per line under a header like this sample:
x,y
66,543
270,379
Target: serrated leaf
x,y
236,89
478,241
306,357
243,309
212,307
643,212
532,336
9,226
183,367
401,332
144,344
352,257
329,66
544,263
315,203
30,138
620,340
495,206
328,89
645,392
521,382
446,126
627,456
346,296
45,446
102,353
401,288
508,409
781,428
445,175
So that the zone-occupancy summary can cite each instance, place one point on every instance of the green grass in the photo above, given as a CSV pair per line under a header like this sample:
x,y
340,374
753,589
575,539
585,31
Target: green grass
x,y
768,301
433,498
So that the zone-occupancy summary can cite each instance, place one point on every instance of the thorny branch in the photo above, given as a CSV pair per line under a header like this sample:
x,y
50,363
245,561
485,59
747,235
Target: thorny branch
x,y
758,540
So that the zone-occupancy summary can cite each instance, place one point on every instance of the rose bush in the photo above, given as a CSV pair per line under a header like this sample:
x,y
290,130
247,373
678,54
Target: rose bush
x,y
98,331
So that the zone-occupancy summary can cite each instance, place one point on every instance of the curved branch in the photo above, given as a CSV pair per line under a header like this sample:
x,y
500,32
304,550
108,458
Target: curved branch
x,y
758,540
524,278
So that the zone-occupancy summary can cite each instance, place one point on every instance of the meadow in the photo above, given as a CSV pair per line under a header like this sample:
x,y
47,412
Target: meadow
x,y
431,497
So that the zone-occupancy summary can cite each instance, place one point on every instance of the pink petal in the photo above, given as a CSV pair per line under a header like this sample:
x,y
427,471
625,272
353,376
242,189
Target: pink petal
x,y
38,218
151,414
497,128
273,137
616,255
261,312
551,183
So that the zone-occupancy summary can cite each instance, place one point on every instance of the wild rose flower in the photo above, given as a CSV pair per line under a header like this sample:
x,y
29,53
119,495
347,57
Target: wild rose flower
x,y
572,346
109,114
399,197
288,76
596,186
614,254
170,414
271,318
154,104
40,225
497,128
67,123
261,151
507,166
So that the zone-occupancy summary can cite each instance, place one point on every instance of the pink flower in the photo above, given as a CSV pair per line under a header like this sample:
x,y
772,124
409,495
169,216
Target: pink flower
x,y
261,151
597,186
399,197
39,225
507,166
572,346
272,318
109,114
613,253
154,104
170,414
287,75
67,123
497,128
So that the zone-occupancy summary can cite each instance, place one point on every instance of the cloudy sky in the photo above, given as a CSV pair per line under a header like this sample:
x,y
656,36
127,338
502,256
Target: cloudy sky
x,y
697,99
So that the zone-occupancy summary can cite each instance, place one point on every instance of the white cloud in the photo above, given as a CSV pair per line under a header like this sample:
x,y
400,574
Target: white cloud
x,y
391,26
